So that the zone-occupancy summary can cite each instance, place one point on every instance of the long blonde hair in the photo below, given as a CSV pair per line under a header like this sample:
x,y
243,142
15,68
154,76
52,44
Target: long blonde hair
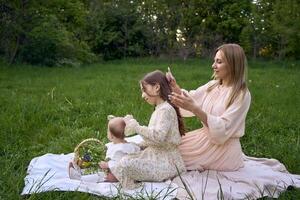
x,y
237,66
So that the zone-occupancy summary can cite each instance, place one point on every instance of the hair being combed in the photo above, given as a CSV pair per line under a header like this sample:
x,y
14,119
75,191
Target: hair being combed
x,y
236,61
157,77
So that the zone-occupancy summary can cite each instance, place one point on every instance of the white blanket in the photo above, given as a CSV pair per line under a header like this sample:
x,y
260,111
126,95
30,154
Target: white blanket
x,y
259,177
50,173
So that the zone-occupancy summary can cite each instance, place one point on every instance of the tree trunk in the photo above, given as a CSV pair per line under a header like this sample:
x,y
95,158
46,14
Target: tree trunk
x,y
14,53
254,48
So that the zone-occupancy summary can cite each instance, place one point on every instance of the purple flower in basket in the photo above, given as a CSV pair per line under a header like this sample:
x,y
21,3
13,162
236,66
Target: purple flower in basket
x,y
87,157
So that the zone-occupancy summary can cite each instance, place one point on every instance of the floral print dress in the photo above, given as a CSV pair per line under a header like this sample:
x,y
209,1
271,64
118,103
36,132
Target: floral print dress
x,y
160,160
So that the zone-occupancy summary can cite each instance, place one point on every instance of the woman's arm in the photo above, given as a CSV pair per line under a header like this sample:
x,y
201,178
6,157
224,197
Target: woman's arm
x,y
232,122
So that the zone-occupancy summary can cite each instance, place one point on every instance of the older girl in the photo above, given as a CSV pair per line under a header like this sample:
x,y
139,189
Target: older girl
x,y
160,160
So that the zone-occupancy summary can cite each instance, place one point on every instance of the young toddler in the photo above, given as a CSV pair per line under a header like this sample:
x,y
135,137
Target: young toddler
x,y
116,149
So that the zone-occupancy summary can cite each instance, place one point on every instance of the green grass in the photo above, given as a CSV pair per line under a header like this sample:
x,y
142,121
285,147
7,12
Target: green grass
x,y
46,110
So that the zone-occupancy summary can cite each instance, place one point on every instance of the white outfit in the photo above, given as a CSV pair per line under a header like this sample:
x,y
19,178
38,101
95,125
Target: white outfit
x,y
114,154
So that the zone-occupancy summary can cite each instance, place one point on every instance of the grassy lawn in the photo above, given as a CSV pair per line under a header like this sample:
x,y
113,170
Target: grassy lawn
x,y
49,110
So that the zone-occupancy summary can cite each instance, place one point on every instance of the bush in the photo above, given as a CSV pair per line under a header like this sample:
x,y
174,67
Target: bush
x,y
50,43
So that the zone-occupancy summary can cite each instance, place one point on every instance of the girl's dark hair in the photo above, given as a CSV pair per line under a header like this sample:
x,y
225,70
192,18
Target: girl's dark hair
x,y
157,77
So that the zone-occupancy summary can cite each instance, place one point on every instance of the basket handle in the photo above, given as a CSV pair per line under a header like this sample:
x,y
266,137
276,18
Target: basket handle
x,y
86,140
76,157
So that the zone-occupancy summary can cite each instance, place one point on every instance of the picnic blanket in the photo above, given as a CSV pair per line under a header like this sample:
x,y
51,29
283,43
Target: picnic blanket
x,y
49,172
258,178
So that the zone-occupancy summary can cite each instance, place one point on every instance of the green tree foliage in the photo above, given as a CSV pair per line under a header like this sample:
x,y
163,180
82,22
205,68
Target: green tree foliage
x,y
72,32
11,29
45,32
163,17
285,23
273,29
55,46
207,24
256,34
116,30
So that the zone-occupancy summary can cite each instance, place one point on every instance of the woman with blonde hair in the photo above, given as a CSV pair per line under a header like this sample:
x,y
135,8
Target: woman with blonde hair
x,y
213,154
221,105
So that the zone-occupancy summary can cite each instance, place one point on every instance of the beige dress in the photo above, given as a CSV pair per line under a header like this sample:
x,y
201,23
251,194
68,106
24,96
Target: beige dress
x,y
217,145
158,161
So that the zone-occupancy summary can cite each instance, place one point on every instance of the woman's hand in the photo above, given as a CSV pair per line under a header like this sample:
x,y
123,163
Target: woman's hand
x,y
103,165
184,101
172,82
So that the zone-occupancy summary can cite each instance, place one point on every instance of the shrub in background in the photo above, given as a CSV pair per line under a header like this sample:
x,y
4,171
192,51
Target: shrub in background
x,y
49,43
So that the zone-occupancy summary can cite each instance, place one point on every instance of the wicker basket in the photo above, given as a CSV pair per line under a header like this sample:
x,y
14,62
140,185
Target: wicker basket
x,y
88,154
